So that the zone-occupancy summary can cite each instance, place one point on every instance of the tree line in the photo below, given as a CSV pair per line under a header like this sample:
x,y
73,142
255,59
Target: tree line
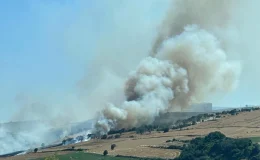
x,y
216,146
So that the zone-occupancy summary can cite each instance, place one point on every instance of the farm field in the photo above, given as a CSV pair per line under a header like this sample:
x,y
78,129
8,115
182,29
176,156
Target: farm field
x,y
243,125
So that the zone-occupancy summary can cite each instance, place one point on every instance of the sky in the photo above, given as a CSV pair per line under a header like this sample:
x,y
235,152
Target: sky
x,y
33,60
46,47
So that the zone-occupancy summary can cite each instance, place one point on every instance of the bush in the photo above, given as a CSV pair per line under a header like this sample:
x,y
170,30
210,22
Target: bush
x,y
165,130
113,146
118,131
105,152
104,136
80,138
64,142
168,141
217,146
35,150
233,112
140,130
117,136
175,147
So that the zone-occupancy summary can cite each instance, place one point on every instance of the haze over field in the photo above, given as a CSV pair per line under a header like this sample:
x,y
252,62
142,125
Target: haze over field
x,y
142,57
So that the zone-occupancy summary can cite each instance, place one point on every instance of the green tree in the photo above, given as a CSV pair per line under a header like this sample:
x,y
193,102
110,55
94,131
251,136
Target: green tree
x,y
105,152
217,146
113,146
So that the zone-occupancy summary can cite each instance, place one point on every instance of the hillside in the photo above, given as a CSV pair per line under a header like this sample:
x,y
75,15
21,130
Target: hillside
x,y
245,124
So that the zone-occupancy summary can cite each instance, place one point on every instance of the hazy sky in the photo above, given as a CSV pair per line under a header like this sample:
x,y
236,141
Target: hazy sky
x,y
46,46
33,57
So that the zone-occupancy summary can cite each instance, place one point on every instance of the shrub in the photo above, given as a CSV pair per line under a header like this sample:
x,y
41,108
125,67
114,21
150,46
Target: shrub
x,y
104,136
105,152
64,142
113,146
140,130
168,141
117,136
119,131
217,146
165,130
35,150
80,138
233,112
175,147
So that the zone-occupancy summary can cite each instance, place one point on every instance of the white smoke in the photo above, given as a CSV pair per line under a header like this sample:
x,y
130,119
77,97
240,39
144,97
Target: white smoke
x,y
189,61
14,139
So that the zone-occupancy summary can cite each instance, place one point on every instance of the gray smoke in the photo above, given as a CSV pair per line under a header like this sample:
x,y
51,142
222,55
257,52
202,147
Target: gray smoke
x,y
188,62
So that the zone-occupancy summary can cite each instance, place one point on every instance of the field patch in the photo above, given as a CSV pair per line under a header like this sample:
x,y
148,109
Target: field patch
x,y
90,156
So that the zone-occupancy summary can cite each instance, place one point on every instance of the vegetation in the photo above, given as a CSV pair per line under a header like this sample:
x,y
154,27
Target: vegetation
x,y
104,136
53,157
165,130
117,136
80,149
80,138
168,141
216,146
35,150
175,147
63,142
113,146
91,156
255,139
117,131
178,125
105,152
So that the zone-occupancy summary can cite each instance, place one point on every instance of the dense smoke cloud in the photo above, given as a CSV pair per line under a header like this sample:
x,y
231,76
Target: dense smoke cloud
x,y
188,62
213,16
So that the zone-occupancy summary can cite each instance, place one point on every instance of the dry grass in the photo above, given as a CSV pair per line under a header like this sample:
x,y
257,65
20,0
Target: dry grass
x,y
243,125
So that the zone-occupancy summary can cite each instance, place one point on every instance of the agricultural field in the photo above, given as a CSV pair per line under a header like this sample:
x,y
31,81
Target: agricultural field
x,y
84,156
152,145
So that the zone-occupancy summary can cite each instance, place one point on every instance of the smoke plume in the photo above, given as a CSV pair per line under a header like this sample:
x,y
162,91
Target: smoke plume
x,y
188,62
